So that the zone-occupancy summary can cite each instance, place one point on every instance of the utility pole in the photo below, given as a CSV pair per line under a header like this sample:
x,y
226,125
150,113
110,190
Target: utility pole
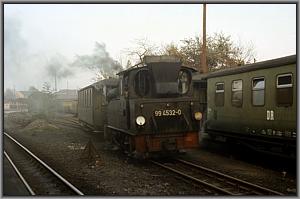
x,y
203,67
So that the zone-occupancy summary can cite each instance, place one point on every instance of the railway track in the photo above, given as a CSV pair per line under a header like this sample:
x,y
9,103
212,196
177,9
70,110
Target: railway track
x,y
38,177
72,123
71,119
214,182
67,123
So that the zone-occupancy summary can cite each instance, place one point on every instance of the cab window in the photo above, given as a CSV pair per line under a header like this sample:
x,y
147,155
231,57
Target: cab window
x,y
125,85
183,81
121,85
142,83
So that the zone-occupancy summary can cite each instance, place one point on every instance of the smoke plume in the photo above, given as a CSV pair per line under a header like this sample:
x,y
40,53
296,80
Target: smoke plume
x,y
14,49
58,67
100,61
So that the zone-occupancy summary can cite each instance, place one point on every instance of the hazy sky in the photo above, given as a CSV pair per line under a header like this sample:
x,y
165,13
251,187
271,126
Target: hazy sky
x,y
34,33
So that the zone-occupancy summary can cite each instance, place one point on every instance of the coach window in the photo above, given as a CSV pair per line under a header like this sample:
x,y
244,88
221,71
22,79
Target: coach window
x,y
237,93
284,93
91,97
142,83
82,102
81,95
84,98
258,91
219,95
87,97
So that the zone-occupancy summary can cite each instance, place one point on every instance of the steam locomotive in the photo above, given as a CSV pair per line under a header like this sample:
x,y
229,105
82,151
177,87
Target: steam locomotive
x,y
161,105
151,108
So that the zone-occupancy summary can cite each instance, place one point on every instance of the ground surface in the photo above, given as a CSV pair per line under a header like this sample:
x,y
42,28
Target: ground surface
x,y
11,179
98,170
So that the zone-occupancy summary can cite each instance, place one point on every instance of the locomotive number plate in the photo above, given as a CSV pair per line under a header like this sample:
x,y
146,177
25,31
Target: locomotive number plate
x,y
172,112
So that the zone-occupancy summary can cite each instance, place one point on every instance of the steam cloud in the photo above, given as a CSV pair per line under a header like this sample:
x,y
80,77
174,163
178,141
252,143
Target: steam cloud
x,y
24,67
58,66
100,61
14,49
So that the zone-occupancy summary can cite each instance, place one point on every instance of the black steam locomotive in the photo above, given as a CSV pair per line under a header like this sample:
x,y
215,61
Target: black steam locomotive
x,y
152,109
155,109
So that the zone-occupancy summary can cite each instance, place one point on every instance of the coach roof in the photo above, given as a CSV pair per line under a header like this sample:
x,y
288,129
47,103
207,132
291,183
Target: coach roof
x,y
109,82
292,59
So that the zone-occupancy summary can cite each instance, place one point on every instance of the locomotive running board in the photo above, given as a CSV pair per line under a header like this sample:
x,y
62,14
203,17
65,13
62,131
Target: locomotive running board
x,y
121,130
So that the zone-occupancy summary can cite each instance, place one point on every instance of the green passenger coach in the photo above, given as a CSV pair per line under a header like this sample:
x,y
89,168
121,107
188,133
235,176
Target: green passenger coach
x,y
255,105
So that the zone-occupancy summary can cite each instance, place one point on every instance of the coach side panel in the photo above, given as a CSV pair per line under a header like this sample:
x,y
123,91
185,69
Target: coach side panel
x,y
85,105
265,116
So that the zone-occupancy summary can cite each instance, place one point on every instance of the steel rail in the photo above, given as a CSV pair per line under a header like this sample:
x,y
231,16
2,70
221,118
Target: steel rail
x,y
194,179
69,121
66,123
71,124
251,185
46,166
19,174
74,120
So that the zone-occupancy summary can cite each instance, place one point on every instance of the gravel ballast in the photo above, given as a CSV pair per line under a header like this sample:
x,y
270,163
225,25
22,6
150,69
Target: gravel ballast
x,y
84,159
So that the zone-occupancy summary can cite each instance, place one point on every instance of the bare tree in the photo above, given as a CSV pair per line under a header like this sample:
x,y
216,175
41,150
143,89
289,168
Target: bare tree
x,y
142,48
222,52
46,87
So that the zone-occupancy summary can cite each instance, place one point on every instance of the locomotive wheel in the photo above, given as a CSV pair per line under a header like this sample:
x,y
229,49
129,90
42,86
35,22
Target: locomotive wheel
x,y
128,143
124,142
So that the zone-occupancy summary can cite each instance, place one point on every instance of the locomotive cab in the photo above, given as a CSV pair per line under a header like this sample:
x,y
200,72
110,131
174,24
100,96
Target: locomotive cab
x,y
155,107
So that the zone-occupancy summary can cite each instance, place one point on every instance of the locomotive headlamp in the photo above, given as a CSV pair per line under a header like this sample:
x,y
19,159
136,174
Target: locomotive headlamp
x,y
198,115
140,120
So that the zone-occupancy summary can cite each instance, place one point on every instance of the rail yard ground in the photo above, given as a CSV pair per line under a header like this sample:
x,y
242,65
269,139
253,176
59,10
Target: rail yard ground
x,y
97,169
